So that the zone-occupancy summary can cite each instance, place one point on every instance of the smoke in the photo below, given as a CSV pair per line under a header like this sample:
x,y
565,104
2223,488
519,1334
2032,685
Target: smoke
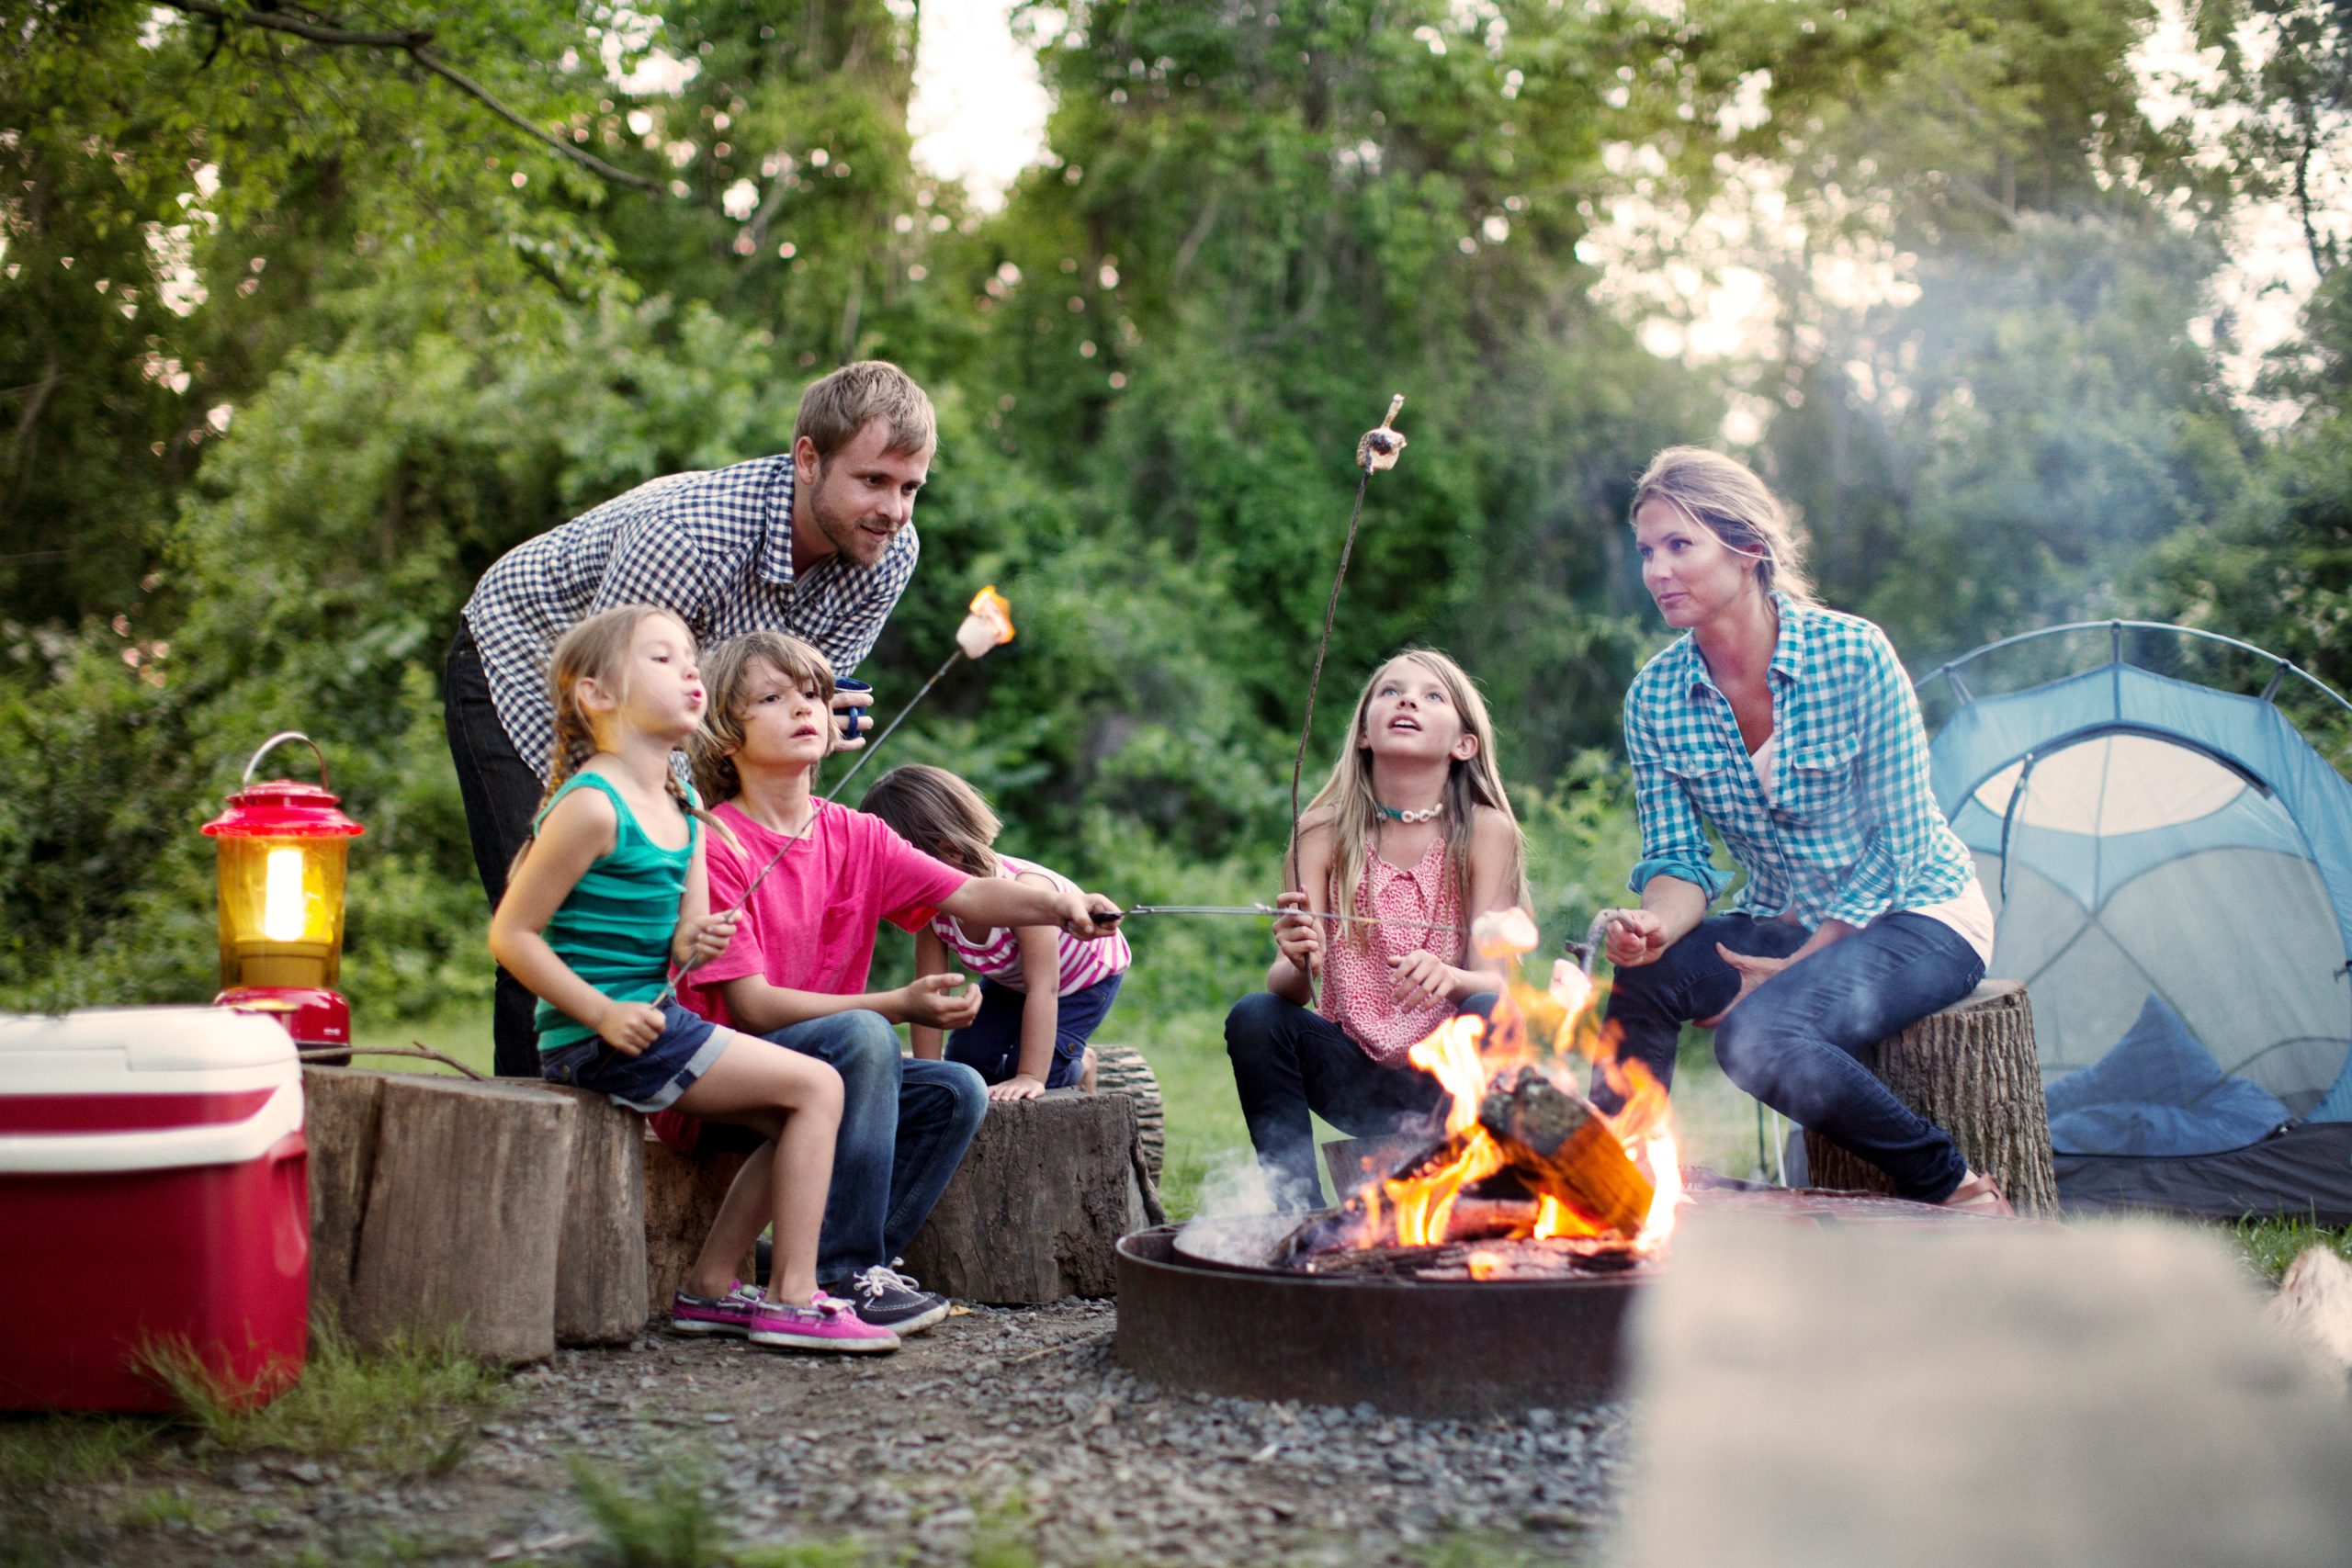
x,y
1234,1184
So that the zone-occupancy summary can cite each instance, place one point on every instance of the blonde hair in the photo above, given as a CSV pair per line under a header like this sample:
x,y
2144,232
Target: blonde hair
x,y
1471,783
834,410
1724,497
727,678
597,649
935,811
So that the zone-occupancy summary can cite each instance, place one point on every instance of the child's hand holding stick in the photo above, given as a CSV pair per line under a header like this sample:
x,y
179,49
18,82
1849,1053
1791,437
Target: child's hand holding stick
x,y
701,937
629,1027
1298,936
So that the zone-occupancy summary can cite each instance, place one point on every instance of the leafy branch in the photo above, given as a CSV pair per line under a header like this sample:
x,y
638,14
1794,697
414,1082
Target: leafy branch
x,y
413,43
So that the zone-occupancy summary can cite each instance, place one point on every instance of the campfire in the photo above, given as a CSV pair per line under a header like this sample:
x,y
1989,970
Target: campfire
x,y
1527,1178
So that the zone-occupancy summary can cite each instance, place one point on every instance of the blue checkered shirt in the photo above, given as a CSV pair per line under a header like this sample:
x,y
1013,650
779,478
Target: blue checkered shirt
x,y
715,547
1851,832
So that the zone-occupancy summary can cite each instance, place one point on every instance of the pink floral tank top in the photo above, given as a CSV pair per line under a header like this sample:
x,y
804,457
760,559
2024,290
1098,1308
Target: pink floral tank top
x,y
1356,978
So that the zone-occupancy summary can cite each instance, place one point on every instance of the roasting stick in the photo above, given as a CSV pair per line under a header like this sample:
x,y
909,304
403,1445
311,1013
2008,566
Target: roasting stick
x,y
1261,911
1376,452
988,622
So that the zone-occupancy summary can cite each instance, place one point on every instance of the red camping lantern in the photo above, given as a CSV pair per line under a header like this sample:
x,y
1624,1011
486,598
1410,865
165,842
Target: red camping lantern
x,y
282,850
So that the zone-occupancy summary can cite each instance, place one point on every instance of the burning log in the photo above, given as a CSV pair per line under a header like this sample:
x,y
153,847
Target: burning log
x,y
1563,1148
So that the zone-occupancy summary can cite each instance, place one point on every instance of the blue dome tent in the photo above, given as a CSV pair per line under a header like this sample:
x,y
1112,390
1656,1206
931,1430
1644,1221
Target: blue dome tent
x,y
2170,866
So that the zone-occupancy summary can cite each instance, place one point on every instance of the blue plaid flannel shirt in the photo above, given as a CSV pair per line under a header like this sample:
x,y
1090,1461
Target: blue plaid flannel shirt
x,y
1853,832
714,546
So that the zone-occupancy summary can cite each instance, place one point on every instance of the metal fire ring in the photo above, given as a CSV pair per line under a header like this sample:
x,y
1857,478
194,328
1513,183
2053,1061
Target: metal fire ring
x,y
1427,1349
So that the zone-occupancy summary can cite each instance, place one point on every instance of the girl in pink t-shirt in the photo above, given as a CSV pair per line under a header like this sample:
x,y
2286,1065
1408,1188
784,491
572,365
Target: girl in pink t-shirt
x,y
1413,836
1042,992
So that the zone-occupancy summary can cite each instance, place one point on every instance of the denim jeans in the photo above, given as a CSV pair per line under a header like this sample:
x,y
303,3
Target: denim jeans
x,y
905,1126
500,794
1288,1061
1797,1040
990,1043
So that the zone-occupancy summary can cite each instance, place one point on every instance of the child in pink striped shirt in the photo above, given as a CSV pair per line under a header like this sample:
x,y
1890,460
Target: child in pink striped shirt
x,y
1043,995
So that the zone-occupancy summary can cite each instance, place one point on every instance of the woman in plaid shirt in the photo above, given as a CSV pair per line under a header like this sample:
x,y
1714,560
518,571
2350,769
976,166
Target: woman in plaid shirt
x,y
1792,731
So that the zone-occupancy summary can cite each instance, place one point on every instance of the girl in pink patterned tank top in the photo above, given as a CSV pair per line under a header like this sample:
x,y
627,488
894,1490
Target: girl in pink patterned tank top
x,y
1042,994
1413,836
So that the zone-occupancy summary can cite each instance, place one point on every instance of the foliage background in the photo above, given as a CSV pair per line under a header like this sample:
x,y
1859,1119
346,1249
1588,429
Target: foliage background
x,y
295,338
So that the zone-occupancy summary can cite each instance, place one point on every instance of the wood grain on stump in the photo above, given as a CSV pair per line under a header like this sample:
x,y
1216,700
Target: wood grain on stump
x,y
1035,1211
1122,1069
681,1194
600,1290
465,1217
1972,1070
340,1109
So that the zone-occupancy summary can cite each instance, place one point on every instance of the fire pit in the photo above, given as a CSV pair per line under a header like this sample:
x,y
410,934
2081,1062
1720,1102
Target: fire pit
x,y
1484,1265
1436,1337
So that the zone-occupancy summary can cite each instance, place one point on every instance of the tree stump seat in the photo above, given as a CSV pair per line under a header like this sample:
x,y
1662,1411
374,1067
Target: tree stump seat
x,y
1970,1069
506,1216
1035,1211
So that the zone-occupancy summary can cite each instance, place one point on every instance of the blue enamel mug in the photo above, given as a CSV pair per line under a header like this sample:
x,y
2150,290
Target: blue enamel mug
x,y
854,721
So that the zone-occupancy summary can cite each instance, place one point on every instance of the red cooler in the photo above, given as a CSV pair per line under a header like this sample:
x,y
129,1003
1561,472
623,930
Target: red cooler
x,y
153,1190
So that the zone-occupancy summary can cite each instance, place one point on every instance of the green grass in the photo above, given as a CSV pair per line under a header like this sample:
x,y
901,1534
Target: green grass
x,y
2270,1245
462,1032
44,1453
164,1504
411,1408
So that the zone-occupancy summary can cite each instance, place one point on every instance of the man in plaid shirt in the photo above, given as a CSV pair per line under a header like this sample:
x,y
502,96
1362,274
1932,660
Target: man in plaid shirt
x,y
817,542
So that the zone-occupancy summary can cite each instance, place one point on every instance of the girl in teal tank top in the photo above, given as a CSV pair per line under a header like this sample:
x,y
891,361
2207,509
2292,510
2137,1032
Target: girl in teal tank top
x,y
609,895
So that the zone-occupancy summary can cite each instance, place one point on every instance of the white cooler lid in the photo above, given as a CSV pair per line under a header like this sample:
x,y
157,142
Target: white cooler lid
x,y
146,1052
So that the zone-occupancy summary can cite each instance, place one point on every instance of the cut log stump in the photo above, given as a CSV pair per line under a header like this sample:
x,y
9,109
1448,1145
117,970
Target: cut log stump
x,y
465,1217
682,1197
1972,1070
340,1110
1122,1069
1035,1212
600,1289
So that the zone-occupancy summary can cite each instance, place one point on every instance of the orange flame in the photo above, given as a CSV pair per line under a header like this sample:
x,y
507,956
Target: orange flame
x,y
1466,1053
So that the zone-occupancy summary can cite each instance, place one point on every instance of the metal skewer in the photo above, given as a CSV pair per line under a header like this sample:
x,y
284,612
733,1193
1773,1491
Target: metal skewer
x,y
1266,910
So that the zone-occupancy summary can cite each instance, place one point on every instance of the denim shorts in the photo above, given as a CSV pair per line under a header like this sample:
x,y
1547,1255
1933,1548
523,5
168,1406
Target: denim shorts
x,y
652,1079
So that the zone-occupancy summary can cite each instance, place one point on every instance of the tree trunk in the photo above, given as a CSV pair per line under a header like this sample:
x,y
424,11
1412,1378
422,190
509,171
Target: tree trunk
x,y
1035,1211
339,1110
600,1289
465,1217
682,1196
1972,1070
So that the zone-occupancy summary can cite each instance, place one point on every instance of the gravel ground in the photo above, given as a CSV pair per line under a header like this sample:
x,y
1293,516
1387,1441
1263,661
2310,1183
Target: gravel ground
x,y
997,1431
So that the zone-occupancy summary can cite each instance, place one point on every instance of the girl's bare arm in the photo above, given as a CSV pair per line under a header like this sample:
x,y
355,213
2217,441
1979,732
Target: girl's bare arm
x,y
931,958
581,829
1041,974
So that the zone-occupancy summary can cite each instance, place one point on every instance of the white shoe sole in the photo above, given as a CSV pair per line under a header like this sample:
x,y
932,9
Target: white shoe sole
x,y
824,1342
919,1322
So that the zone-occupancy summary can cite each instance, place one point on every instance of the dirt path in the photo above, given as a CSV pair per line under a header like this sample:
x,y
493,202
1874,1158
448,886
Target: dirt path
x,y
1009,1434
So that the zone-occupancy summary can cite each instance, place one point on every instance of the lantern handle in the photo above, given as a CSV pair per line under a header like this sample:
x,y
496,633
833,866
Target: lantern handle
x,y
280,739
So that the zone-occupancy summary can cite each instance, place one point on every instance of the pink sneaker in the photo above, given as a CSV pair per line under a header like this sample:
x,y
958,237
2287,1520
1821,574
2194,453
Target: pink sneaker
x,y
730,1314
827,1323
